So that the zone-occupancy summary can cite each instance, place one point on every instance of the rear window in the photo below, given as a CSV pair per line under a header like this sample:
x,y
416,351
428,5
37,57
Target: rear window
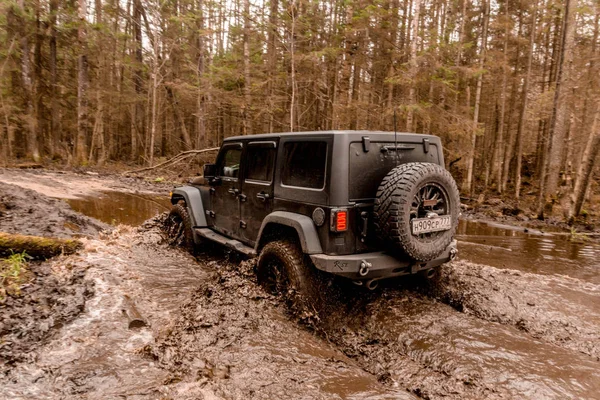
x,y
304,164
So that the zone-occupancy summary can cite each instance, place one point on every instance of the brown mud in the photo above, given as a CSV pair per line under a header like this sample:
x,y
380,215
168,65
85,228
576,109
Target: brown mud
x,y
28,212
524,326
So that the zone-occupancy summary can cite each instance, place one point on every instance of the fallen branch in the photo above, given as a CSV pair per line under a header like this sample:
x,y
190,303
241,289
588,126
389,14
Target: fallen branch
x,y
133,315
179,157
36,246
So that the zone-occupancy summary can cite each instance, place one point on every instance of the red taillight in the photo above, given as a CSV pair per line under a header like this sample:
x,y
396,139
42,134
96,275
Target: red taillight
x,y
339,220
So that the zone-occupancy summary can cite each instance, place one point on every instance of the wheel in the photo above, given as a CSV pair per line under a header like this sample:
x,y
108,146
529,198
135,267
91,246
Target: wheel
x,y
416,190
178,227
282,268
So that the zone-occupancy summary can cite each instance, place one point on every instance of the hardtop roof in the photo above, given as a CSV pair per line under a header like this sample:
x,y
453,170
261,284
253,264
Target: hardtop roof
x,y
354,135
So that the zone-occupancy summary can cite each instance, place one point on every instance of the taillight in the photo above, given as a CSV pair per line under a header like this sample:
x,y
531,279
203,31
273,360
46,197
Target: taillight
x,y
339,220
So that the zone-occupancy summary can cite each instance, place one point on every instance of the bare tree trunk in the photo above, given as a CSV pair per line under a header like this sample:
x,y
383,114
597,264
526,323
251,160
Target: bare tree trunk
x,y
522,116
468,187
82,87
247,99
293,65
200,107
559,114
30,120
498,156
584,173
55,133
413,69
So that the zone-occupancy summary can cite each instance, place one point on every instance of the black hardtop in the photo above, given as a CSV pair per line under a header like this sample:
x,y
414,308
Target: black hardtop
x,y
351,136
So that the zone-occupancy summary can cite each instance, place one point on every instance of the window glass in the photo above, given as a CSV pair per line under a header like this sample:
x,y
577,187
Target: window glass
x,y
304,164
230,163
260,163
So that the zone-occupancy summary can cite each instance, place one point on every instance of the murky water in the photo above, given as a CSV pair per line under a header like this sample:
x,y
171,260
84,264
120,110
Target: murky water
x,y
532,251
121,208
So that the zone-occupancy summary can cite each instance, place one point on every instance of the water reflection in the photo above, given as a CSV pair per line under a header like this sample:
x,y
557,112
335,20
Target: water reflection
x,y
531,251
121,208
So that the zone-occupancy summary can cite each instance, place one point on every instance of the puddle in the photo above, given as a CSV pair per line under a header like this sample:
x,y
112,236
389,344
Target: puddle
x,y
533,251
121,208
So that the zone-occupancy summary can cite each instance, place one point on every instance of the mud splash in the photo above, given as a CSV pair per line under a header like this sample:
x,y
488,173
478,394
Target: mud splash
x,y
235,340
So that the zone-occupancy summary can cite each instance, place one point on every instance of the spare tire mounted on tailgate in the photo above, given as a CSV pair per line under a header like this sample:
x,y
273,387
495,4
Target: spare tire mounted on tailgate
x,y
416,210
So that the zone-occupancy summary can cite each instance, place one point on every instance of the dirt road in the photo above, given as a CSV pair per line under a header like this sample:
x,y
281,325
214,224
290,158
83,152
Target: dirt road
x,y
477,332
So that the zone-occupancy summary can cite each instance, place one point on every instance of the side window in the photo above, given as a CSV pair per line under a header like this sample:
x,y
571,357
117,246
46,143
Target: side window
x,y
260,163
304,164
229,166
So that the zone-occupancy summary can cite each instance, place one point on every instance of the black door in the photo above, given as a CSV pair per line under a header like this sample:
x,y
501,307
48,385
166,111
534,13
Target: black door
x,y
257,188
224,195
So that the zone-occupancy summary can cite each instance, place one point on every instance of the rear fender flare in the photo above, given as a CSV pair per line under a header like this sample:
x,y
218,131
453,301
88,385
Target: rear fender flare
x,y
303,225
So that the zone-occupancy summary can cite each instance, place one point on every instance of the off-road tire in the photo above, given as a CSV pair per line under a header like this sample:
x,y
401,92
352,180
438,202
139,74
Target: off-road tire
x,y
284,269
178,227
395,201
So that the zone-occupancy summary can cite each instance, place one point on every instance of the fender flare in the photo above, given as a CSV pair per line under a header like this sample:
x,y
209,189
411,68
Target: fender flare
x,y
303,225
192,198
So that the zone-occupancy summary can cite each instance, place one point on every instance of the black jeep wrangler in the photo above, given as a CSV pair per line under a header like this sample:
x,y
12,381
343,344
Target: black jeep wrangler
x,y
360,204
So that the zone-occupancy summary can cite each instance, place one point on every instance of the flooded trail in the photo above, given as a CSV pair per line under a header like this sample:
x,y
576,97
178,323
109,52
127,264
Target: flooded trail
x,y
529,250
517,317
243,346
419,343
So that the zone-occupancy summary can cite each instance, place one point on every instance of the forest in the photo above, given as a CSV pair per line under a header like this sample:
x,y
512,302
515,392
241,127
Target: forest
x,y
511,86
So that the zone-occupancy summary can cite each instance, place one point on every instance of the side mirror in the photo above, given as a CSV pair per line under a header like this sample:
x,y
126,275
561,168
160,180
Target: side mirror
x,y
210,171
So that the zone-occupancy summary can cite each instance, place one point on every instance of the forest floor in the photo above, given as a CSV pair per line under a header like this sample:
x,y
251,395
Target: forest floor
x,y
501,330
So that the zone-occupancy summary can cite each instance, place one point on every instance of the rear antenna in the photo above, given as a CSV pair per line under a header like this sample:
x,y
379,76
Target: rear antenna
x,y
395,138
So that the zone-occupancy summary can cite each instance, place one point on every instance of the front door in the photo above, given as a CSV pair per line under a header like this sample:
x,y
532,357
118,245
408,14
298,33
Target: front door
x,y
257,189
224,194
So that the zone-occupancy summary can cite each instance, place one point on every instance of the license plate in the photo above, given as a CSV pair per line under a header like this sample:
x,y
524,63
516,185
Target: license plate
x,y
428,225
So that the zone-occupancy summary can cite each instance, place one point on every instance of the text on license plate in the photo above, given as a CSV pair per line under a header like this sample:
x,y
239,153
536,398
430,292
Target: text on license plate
x,y
426,225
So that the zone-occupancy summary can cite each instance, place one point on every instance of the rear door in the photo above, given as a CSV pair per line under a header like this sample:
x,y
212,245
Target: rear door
x,y
224,196
256,198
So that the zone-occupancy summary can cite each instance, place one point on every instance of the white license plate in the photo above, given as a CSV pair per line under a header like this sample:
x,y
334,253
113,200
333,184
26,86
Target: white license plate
x,y
427,225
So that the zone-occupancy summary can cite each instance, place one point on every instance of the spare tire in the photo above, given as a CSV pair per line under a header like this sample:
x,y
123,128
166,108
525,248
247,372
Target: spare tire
x,y
417,194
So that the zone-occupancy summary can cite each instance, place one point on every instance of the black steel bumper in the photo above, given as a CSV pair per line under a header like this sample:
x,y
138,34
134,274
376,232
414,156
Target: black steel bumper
x,y
377,265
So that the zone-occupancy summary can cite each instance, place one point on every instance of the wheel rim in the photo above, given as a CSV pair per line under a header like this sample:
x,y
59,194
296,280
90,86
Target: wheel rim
x,y
274,278
430,198
174,228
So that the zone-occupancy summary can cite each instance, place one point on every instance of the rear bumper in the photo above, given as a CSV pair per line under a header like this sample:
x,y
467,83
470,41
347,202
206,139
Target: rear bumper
x,y
377,265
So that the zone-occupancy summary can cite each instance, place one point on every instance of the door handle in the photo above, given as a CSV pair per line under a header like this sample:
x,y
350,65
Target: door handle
x,y
263,196
242,197
233,191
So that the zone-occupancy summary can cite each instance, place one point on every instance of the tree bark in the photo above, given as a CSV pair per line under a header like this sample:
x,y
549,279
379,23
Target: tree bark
x,y
468,187
584,173
558,123
82,87
522,116
413,67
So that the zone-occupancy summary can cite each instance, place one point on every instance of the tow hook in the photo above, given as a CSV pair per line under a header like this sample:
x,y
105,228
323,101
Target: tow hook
x,y
364,268
453,253
372,284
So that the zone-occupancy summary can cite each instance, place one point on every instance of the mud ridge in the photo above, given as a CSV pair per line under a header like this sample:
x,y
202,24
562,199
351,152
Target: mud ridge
x,y
55,296
236,340
28,212
556,309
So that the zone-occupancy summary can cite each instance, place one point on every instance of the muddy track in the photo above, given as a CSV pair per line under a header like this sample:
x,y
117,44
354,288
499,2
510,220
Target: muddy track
x,y
401,336
28,212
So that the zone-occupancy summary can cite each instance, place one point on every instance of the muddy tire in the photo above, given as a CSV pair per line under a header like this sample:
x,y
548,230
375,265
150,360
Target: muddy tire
x,y
178,227
283,269
416,190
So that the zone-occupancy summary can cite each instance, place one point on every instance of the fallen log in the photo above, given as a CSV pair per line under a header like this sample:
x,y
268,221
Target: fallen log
x,y
36,246
173,160
133,315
